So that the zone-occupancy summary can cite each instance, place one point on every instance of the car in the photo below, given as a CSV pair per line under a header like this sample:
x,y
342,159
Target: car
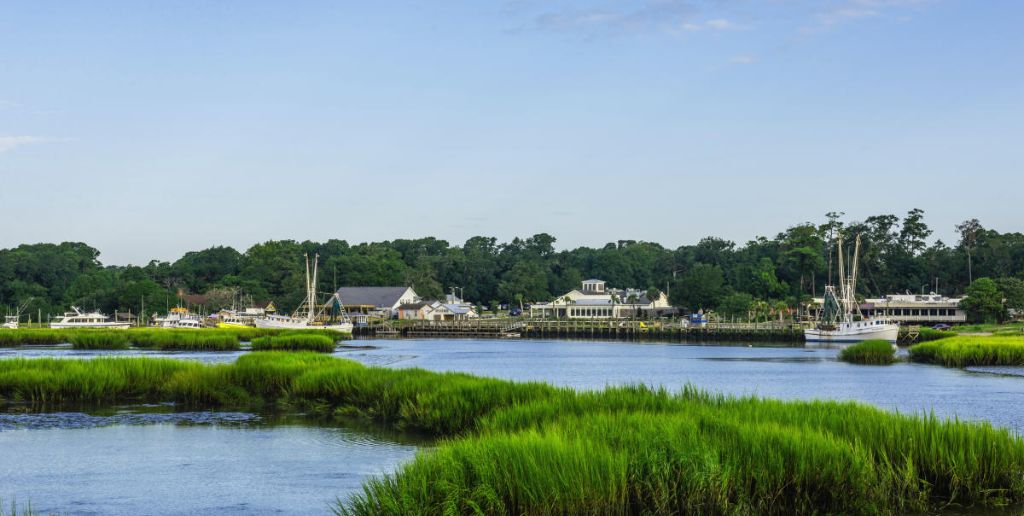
x,y
942,327
515,312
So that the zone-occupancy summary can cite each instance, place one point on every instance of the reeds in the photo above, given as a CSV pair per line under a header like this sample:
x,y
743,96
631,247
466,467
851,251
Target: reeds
x,y
21,337
117,339
969,350
869,352
294,342
530,448
184,340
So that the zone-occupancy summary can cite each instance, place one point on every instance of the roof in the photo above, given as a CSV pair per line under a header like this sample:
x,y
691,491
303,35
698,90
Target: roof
x,y
459,309
592,302
594,280
414,306
371,296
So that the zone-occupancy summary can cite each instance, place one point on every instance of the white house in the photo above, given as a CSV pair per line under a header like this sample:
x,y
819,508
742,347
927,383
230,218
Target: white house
x,y
453,311
595,301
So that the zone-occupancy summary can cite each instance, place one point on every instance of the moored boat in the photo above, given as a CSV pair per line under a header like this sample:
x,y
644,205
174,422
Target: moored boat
x,y
77,319
841,320
309,315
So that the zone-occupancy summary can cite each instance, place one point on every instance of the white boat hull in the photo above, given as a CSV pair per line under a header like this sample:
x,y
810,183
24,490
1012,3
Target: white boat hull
x,y
854,332
105,326
294,324
11,325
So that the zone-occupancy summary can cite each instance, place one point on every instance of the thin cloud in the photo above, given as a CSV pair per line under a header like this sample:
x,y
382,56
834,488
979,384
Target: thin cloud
x,y
713,24
9,143
742,59
852,10
616,17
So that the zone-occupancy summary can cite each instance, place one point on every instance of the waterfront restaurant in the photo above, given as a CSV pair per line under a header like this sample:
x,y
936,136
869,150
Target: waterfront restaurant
x,y
919,309
595,301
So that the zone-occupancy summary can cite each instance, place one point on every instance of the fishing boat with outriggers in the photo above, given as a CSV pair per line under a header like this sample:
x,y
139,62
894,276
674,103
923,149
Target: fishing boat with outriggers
x,y
310,315
77,319
841,320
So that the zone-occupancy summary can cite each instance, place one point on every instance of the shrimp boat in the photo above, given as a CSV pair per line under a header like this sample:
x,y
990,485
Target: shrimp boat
x,y
77,319
841,319
309,314
11,322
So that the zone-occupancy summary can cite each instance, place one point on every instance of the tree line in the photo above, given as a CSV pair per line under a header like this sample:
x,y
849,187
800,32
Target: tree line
x,y
714,273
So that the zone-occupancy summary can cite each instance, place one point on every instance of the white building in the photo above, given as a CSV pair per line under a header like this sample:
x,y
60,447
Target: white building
x,y
594,301
923,309
916,309
437,311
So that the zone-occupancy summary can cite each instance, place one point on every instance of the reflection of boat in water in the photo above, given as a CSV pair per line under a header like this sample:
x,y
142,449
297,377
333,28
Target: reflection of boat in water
x,y
309,315
841,319
77,319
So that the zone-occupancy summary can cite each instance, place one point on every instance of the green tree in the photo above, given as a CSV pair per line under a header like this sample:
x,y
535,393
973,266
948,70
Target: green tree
x,y
1012,290
969,230
736,305
984,302
701,287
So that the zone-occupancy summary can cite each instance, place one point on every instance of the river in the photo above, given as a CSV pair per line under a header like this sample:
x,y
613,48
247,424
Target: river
x,y
150,460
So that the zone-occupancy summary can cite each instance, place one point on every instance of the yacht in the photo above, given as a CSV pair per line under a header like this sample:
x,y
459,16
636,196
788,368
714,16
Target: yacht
x,y
179,317
231,319
77,319
841,319
309,314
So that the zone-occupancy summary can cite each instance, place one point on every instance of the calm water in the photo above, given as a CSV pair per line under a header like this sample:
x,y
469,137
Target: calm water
x,y
130,463
225,464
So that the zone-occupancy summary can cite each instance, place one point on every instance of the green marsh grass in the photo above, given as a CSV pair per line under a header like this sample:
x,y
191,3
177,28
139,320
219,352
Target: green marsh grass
x,y
184,340
531,448
294,342
114,339
970,350
33,336
869,352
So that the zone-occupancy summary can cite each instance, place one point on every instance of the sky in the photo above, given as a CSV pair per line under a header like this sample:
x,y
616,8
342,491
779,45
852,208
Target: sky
x,y
151,128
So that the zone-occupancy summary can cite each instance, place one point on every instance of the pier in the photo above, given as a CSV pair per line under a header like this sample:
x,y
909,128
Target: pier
x,y
592,329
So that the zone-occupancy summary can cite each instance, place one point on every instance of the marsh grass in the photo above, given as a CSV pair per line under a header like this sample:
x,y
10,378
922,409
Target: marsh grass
x,y
969,350
12,509
294,342
530,448
33,336
869,352
117,339
184,340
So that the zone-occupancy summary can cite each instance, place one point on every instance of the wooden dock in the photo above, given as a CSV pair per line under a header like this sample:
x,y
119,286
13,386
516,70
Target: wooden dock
x,y
593,329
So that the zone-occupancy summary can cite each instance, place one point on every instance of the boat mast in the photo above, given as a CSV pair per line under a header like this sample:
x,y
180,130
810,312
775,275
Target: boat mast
x,y
311,293
853,277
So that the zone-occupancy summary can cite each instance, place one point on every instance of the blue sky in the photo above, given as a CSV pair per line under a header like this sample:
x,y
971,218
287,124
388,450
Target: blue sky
x,y
151,128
